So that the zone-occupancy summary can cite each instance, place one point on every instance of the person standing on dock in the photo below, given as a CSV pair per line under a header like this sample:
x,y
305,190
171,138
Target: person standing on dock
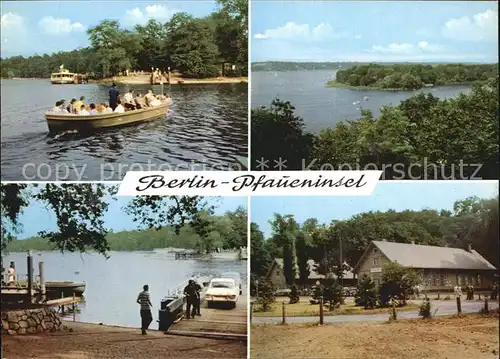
x,y
12,274
144,300
197,302
190,293
113,96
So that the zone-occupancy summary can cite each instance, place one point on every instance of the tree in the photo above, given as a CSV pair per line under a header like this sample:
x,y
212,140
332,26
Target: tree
x,y
79,211
266,295
302,246
278,134
397,283
285,229
294,294
260,258
333,294
366,293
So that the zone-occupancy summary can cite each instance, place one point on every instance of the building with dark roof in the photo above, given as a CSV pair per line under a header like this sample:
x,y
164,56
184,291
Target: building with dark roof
x,y
440,268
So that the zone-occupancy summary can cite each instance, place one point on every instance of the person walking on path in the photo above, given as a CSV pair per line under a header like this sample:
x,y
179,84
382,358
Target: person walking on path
x,y
113,96
144,300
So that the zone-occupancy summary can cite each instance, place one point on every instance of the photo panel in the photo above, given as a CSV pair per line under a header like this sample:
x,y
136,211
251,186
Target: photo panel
x,y
101,275
93,89
353,85
413,268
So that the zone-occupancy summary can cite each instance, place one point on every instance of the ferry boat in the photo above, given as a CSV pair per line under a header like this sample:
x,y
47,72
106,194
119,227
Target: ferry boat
x,y
64,76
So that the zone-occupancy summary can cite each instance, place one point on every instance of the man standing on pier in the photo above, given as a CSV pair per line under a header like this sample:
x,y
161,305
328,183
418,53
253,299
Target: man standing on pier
x,y
144,300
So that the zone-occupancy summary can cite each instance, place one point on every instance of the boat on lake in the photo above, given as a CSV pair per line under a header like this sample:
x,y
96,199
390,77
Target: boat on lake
x,y
65,77
58,122
66,289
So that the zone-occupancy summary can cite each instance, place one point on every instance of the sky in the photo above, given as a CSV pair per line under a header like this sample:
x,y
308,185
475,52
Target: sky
x,y
36,217
38,27
412,195
393,31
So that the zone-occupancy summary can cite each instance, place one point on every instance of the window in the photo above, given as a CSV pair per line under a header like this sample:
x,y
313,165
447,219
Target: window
x,y
479,279
375,261
466,280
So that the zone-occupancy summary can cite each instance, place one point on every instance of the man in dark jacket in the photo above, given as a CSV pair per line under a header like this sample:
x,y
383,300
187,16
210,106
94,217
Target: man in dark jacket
x,y
113,96
190,294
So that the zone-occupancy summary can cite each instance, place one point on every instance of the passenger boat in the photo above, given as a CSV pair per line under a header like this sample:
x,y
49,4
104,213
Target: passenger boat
x,y
64,76
64,122
66,289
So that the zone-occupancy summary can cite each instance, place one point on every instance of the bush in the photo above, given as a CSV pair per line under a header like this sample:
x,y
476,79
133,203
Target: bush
x,y
294,294
397,284
266,295
425,309
333,294
366,293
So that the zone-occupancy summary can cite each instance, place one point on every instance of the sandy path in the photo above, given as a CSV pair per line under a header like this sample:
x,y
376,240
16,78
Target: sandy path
x,y
90,341
467,337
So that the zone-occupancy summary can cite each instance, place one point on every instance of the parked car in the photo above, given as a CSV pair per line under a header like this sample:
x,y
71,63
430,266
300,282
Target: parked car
x,y
236,276
222,290
282,292
349,291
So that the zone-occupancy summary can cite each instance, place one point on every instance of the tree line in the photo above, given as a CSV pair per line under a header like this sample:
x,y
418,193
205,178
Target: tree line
x,y
413,76
422,137
195,47
472,221
227,231
299,66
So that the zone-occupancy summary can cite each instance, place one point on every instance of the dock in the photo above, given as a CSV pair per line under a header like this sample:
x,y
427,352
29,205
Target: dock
x,y
227,324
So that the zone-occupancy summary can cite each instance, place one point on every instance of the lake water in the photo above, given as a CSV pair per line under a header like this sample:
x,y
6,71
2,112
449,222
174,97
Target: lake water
x,y
205,129
113,284
321,106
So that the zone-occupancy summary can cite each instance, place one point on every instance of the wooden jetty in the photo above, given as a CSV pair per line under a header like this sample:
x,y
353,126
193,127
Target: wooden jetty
x,y
227,324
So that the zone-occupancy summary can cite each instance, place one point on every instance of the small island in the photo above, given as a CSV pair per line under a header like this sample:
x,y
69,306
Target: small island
x,y
407,77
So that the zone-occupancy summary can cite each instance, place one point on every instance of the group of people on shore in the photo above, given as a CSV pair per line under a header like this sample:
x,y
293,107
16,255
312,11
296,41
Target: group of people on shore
x,y
130,101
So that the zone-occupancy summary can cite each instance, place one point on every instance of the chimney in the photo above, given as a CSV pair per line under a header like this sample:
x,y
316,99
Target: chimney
x,y
469,247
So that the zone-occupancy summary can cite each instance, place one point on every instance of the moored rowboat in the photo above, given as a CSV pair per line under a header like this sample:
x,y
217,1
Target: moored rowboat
x,y
64,122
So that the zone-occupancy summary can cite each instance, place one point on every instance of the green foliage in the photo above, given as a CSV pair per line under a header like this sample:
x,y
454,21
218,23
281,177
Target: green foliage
x,y
414,76
299,66
397,283
284,231
278,134
317,293
260,258
434,136
333,294
425,309
302,246
294,294
196,47
366,293
266,295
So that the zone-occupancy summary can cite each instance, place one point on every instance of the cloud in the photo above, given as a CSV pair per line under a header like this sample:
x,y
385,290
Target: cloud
x,y
140,17
480,27
406,48
302,32
14,32
59,26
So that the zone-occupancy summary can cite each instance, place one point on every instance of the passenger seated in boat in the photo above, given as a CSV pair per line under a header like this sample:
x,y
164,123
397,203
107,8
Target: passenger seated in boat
x,y
92,110
155,102
129,97
59,107
101,108
149,98
138,101
78,104
71,106
119,107
83,111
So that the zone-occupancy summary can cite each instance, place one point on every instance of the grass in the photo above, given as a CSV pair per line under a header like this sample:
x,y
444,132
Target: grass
x,y
305,309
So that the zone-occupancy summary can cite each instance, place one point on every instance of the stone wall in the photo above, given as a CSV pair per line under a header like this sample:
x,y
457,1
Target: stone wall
x,y
30,321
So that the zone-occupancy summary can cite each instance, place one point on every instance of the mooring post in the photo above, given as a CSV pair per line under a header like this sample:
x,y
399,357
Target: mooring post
x,y
321,310
43,292
486,309
62,306
459,305
251,312
283,320
74,306
30,277
394,314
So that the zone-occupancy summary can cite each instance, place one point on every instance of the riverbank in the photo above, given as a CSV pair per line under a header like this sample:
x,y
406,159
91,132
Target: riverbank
x,y
88,341
145,80
468,336
335,84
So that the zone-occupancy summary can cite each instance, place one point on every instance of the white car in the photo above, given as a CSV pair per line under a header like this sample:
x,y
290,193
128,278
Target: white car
x,y
222,290
234,275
